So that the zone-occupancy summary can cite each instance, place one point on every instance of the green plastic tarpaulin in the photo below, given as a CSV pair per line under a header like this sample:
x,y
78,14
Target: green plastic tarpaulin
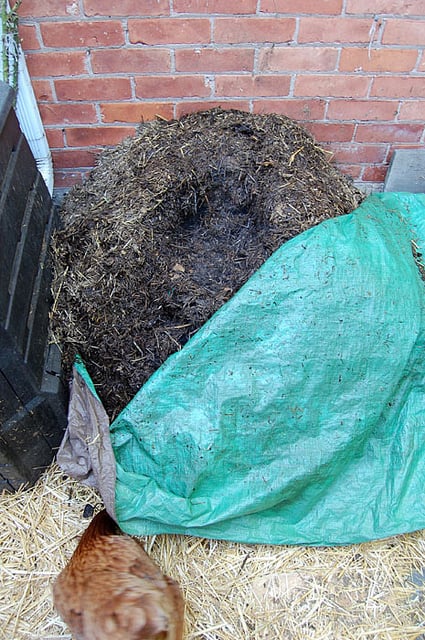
x,y
296,414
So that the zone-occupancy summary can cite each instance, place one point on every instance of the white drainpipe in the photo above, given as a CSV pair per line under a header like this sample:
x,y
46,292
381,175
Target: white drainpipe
x,y
29,117
31,124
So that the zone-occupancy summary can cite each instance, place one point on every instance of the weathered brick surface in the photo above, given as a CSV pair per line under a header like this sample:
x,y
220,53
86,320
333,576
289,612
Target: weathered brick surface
x,y
298,59
374,174
353,170
231,31
44,8
71,158
364,153
56,64
212,60
330,7
389,132
55,138
362,110
404,32
29,37
169,31
331,86
150,60
339,30
301,110
234,7
353,71
64,179
43,90
172,87
328,132
82,34
135,111
89,89
398,87
400,7
380,60
126,8
96,136
67,113
252,85
412,110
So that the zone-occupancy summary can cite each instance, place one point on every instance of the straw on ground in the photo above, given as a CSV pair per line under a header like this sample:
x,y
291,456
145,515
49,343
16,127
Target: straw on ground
x,y
373,591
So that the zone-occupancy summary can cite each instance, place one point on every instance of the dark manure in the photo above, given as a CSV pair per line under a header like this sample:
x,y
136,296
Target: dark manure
x,y
169,225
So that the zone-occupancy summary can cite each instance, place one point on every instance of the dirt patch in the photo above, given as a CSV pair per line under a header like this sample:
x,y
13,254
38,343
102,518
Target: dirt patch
x,y
168,227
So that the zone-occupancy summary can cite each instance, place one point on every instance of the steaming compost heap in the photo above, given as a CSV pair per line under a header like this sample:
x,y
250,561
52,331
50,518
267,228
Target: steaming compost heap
x,y
169,225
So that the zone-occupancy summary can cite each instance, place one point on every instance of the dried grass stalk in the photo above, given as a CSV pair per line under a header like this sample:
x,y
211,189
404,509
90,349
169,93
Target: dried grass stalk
x,y
372,591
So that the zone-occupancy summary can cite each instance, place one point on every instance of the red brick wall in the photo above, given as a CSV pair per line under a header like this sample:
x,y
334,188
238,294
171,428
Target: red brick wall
x,y
355,76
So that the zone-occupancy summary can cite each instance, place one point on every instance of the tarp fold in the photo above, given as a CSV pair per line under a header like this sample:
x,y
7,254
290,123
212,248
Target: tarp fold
x,y
296,414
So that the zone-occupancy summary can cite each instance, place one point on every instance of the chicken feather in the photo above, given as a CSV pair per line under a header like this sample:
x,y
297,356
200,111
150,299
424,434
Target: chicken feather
x,y
112,590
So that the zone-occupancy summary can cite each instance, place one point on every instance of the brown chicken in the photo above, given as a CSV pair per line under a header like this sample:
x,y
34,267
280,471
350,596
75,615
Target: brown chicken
x,y
111,589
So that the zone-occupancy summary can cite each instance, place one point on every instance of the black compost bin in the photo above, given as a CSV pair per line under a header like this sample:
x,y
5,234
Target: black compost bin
x,y
32,397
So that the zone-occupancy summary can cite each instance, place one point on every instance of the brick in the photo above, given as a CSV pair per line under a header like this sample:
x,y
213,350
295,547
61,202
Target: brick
x,y
251,30
93,89
55,138
362,110
183,108
375,174
301,110
412,110
78,158
82,34
169,31
172,87
64,113
380,60
249,85
352,170
333,30
67,179
404,32
348,86
130,61
215,6
96,136
59,63
355,153
42,90
402,7
398,145
126,8
45,9
398,87
135,111
327,7
28,37
389,132
326,132
298,58
421,66
213,60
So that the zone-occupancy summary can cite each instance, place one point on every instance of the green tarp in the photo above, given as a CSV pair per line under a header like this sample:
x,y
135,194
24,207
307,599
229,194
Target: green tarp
x,y
296,414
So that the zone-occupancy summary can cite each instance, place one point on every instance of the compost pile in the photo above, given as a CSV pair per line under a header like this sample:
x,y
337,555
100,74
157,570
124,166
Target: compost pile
x,y
169,225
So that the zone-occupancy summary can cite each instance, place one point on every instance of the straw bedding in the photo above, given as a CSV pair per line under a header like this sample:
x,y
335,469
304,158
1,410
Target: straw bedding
x,y
373,591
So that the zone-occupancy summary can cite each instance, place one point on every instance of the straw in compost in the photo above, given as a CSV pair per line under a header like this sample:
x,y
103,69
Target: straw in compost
x,y
167,228
371,591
